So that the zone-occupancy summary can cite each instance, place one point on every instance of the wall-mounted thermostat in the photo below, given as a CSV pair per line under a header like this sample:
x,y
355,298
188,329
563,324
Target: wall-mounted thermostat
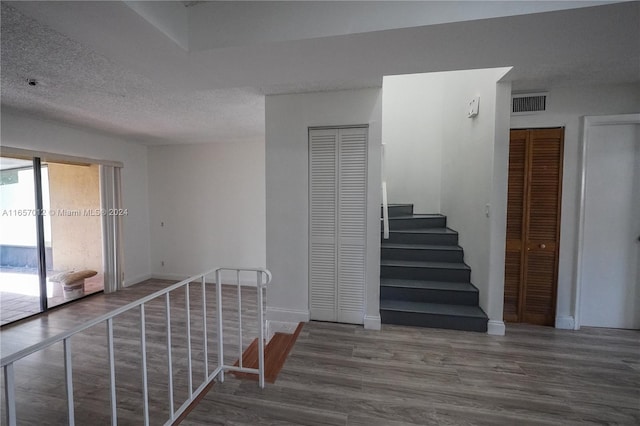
x,y
473,107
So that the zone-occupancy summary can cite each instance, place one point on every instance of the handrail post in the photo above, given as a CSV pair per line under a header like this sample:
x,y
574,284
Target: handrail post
x,y
239,318
112,373
260,332
220,337
10,394
189,366
68,376
204,329
385,204
143,350
169,358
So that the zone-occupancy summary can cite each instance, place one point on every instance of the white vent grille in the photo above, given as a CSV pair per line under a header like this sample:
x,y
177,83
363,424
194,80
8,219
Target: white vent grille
x,y
528,103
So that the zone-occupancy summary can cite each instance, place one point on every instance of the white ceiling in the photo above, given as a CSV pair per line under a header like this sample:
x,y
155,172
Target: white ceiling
x,y
160,72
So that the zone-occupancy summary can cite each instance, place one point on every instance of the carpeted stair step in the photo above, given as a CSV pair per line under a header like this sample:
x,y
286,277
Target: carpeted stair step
x,y
435,315
428,271
425,252
450,293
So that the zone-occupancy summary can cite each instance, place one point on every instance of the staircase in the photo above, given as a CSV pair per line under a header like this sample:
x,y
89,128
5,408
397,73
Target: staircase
x,y
424,281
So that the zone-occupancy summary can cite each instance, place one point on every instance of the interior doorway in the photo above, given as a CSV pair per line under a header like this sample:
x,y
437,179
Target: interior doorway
x,y
608,285
533,225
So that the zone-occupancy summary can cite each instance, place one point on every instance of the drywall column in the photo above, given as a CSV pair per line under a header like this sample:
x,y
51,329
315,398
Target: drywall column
x,y
498,210
472,180
288,118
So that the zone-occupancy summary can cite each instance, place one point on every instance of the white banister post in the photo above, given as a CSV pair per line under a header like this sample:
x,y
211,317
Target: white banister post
x,y
260,332
189,366
220,337
112,373
143,350
239,318
68,379
385,204
10,394
169,358
204,329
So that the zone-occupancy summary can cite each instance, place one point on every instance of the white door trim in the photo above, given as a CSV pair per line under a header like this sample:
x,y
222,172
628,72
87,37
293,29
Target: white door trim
x,y
590,121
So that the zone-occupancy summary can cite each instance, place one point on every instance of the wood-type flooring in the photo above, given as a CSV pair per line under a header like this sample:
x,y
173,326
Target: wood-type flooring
x,y
335,374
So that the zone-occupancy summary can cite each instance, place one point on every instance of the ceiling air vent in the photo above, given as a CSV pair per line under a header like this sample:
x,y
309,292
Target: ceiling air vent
x,y
528,103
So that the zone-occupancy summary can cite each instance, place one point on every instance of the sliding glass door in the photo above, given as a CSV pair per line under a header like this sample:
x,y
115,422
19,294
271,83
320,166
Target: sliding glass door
x,y
50,235
75,221
19,253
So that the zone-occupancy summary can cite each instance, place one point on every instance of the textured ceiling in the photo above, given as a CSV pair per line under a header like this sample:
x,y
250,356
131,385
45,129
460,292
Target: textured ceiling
x,y
103,66
79,86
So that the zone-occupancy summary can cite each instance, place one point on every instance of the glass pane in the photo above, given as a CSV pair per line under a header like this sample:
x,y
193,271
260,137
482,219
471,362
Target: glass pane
x,y
19,283
73,231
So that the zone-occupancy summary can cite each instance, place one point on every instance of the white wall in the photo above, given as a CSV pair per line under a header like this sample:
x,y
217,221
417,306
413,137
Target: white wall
x,y
211,199
288,118
468,170
565,107
412,133
22,131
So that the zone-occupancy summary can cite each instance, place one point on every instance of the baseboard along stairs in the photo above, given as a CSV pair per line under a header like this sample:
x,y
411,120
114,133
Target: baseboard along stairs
x,y
424,281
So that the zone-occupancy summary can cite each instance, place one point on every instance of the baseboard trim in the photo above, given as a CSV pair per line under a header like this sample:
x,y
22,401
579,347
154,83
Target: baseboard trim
x,y
172,277
496,328
287,315
137,280
372,322
566,322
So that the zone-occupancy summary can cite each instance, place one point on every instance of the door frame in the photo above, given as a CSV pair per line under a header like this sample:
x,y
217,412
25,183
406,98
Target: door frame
x,y
590,121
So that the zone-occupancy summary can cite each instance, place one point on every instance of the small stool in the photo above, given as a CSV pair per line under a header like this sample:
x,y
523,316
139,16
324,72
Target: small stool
x,y
73,282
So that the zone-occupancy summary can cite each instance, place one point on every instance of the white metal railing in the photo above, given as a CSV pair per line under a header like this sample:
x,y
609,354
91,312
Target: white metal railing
x,y
385,205
263,277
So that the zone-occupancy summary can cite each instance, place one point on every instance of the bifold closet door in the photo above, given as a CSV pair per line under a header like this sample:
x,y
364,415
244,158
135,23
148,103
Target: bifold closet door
x,y
338,200
533,225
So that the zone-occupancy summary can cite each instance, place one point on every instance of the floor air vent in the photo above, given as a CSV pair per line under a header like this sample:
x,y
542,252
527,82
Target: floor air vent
x,y
528,103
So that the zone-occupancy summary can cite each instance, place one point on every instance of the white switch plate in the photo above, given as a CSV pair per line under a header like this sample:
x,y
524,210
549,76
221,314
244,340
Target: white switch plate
x,y
474,105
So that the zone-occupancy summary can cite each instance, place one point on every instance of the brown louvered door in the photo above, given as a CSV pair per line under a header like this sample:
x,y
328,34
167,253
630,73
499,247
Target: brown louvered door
x,y
533,225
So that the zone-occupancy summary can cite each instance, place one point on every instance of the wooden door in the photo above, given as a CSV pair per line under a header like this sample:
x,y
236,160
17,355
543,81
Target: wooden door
x,y
533,225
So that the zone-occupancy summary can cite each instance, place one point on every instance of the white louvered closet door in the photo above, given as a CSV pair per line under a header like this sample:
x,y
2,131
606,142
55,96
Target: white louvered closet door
x,y
323,197
338,186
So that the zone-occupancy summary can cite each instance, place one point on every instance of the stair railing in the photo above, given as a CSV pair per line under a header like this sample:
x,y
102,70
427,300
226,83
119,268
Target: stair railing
x,y
385,205
263,277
